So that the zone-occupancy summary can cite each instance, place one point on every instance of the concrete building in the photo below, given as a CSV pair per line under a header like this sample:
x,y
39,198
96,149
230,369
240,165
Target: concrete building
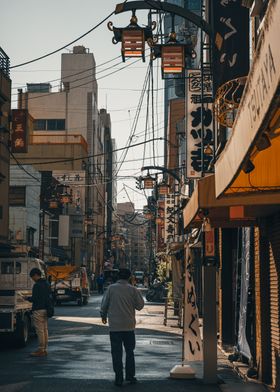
x,y
128,225
67,125
24,208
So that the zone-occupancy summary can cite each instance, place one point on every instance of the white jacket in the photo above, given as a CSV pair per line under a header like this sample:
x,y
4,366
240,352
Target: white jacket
x,y
119,304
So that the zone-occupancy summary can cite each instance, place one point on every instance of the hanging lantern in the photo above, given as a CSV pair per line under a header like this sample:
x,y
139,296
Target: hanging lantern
x,y
159,220
53,204
65,198
163,188
173,59
133,43
148,215
173,56
148,182
132,37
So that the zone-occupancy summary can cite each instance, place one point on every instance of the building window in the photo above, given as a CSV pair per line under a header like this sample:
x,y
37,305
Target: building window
x,y
7,267
49,124
17,196
39,125
30,231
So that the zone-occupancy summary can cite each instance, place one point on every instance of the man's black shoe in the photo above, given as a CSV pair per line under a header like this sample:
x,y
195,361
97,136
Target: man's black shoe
x,y
132,380
119,381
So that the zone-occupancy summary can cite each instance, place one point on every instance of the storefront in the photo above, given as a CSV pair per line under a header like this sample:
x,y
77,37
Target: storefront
x,y
237,219
248,171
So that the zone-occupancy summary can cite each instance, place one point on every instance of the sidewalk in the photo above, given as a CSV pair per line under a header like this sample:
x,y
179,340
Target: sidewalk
x,y
151,318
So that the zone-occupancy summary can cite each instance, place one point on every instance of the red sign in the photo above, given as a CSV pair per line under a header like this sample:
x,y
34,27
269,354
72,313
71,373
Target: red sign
x,y
210,243
19,130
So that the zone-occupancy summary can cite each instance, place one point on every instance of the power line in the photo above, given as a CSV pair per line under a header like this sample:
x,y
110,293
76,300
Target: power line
x,y
65,46
83,84
76,73
95,155
135,121
18,163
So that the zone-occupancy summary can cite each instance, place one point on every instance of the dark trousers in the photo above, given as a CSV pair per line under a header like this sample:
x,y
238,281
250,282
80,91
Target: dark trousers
x,y
118,340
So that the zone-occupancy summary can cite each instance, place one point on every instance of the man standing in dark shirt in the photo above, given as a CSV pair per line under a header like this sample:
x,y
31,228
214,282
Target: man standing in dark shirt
x,y
40,298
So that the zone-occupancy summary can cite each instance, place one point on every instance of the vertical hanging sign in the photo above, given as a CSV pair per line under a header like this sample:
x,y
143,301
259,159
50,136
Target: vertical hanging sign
x,y
199,119
230,21
209,250
19,130
192,338
170,219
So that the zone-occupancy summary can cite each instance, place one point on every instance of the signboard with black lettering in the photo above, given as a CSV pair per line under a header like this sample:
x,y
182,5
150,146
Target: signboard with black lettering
x,y
231,49
192,338
171,206
199,120
19,130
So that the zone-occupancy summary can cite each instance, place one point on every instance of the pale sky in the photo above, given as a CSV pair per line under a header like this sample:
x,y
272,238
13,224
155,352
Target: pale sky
x,y
31,28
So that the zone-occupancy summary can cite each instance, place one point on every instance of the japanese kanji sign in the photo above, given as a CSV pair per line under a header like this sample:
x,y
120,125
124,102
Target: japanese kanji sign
x,y
199,117
192,338
170,214
231,53
19,130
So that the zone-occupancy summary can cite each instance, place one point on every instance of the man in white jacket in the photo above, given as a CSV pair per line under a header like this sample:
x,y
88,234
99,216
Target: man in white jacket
x,y
119,304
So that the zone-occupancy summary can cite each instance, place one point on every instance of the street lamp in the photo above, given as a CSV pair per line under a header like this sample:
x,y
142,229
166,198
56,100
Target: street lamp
x,y
173,55
132,37
163,188
148,181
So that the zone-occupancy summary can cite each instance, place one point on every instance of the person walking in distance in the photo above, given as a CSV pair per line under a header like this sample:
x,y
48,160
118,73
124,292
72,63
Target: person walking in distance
x,y
119,304
41,296
100,283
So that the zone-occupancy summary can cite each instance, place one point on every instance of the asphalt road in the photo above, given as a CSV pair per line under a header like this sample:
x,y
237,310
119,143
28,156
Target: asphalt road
x,y
79,356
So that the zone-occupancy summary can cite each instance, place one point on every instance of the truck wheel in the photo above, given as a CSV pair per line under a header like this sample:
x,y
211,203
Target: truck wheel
x,y
22,332
80,302
85,300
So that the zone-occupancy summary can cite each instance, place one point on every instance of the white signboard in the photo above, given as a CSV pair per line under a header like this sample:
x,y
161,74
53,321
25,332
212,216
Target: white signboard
x,y
198,114
63,230
192,338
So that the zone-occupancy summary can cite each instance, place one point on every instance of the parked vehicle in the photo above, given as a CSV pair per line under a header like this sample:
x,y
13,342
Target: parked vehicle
x,y
69,283
15,287
157,293
139,276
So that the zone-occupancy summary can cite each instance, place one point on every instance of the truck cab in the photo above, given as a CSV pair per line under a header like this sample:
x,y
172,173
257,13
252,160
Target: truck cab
x,y
15,286
69,283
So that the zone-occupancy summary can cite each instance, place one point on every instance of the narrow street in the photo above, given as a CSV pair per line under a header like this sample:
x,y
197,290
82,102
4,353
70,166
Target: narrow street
x,y
79,357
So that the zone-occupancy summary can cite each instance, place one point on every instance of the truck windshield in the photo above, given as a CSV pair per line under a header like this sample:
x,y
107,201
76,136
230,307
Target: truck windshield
x,y
7,267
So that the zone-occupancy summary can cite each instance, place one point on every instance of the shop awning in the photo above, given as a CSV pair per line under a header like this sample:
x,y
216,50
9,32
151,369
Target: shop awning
x,y
254,146
227,212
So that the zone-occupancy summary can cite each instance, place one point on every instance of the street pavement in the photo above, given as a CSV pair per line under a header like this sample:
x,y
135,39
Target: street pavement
x,y
79,357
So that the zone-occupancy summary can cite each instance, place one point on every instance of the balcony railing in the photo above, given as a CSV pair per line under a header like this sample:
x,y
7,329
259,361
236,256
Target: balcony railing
x,y
4,63
58,139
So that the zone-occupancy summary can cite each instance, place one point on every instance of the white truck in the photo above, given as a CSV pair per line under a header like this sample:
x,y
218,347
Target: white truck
x,y
15,286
